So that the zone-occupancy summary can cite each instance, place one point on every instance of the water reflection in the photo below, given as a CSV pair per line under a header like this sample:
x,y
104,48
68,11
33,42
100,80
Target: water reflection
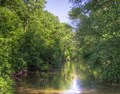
x,y
75,86
43,83
56,83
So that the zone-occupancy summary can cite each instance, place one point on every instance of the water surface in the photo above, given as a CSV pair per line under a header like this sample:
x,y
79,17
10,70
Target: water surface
x,y
57,83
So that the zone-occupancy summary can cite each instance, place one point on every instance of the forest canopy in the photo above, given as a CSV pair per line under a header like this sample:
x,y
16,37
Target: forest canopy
x,y
98,37
30,38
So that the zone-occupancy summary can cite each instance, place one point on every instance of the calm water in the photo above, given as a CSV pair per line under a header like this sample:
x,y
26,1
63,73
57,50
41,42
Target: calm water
x,y
57,83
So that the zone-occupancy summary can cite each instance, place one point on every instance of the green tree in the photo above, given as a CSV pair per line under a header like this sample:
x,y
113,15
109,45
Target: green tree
x,y
10,30
30,37
98,35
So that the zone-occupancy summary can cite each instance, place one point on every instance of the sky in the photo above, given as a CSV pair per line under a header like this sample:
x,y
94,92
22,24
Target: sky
x,y
59,8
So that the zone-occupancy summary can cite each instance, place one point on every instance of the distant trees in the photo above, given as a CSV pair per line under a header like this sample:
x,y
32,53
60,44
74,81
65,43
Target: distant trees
x,y
98,36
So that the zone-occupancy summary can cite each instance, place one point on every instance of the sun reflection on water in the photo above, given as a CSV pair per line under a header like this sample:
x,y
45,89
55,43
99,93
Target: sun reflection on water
x,y
75,87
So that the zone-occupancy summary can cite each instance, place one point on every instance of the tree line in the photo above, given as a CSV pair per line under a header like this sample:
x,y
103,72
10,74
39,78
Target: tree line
x,y
98,37
30,38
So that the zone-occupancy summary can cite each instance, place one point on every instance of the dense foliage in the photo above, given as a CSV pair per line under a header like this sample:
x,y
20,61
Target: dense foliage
x,y
33,38
98,37
30,38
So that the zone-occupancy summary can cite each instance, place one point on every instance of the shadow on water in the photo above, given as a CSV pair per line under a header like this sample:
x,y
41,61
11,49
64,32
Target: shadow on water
x,y
41,83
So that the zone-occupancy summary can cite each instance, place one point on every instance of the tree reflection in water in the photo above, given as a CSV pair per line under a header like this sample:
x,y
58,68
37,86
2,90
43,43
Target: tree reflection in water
x,y
57,83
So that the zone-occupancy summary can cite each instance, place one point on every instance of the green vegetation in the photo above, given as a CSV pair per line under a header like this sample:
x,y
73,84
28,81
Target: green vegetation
x,y
98,37
32,38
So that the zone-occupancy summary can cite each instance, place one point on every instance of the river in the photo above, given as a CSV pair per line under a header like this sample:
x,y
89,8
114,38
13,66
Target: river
x,y
57,83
